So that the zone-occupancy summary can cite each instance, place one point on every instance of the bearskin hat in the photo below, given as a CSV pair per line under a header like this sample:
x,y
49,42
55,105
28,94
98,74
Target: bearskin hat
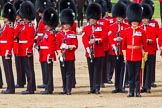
x,y
9,12
27,10
66,16
147,11
17,4
41,5
93,11
109,5
134,13
119,10
151,3
50,17
67,4
103,5
126,2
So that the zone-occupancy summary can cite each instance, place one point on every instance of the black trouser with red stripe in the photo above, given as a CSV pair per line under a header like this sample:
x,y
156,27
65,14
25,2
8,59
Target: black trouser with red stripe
x,y
7,63
27,66
1,81
67,73
21,79
104,69
44,68
94,69
148,72
134,78
110,67
48,75
154,69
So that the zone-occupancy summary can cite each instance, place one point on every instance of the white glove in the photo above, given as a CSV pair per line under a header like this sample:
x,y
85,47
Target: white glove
x,y
61,59
88,50
64,46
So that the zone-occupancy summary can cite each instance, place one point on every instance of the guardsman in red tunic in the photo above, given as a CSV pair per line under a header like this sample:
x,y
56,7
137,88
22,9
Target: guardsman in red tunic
x,y
63,4
151,47
26,41
105,28
41,5
153,23
6,45
133,44
115,40
93,38
67,44
47,47
21,80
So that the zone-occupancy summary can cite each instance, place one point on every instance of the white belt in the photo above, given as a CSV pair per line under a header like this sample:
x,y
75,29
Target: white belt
x,y
40,34
23,41
3,41
43,47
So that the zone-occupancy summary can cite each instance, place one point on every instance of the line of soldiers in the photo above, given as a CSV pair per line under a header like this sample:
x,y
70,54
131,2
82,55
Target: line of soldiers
x,y
111,43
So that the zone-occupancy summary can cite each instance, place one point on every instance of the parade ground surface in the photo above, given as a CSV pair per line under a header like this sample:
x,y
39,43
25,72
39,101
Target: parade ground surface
x,y
80,97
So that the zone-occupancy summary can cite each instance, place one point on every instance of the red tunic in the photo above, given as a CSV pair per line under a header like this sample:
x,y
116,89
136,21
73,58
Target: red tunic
x,y
112,36
99,35
133,42
71,39
150,34
18,27
26,40
6,40
47,47
105,28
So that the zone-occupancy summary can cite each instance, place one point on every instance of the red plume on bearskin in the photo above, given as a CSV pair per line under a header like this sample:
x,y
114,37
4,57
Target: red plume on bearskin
x,y
9,12
134,13
93,11
50,17
27,10
147,11
66,16
119,10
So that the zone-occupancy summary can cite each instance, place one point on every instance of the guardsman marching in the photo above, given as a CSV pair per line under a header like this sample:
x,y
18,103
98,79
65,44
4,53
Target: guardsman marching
x,y
26,41
21,80
67,44
41,5
132,46
47,47
93,38
6,45
71,5
115,40
151,47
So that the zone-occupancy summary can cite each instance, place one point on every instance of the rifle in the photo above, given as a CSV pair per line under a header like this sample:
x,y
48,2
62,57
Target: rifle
x,y
17,35
92,46
36,44
118,43
62,59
